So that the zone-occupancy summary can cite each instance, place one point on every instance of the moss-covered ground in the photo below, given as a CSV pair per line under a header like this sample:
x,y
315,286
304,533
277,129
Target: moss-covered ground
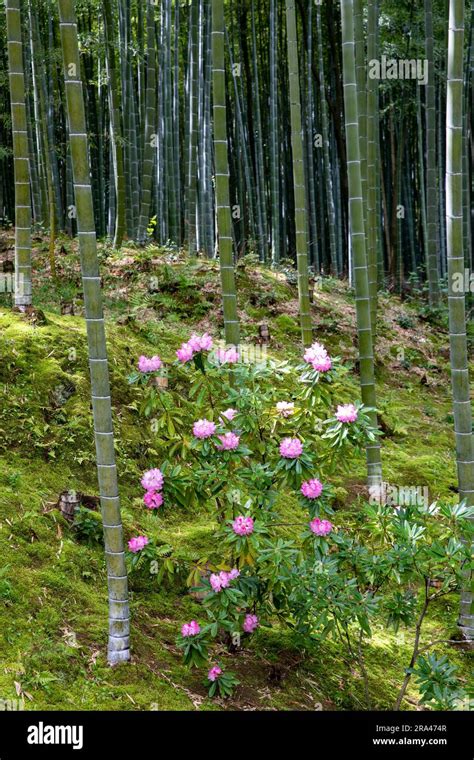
x,y
53,613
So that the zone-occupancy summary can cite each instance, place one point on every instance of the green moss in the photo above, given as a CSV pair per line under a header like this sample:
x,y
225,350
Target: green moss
x,y
53,600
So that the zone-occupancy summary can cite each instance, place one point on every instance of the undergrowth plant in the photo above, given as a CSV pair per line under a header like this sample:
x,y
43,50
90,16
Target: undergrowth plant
x,y
242,440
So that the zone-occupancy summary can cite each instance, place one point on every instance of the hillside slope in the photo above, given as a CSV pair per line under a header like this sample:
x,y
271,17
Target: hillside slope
x,y
52,581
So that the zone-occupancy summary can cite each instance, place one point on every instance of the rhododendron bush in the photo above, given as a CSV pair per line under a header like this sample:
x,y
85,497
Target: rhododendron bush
x,y
250,443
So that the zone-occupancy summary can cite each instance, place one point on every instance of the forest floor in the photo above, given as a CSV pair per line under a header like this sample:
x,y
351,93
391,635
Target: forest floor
x,y
53,610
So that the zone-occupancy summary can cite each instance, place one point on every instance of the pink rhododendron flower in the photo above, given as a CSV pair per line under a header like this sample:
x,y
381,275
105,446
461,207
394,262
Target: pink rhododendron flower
x,y
320,527
229,414
149,365
346,413
228,442
216,582
190,629
291,448
214,673
204,429
250,623
285,408
153,499
221,580
205,342
200,342
152,480
227,356
137,544
312,488
243,526
318,357
185,353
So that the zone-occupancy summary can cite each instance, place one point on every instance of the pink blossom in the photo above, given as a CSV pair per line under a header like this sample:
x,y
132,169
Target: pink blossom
x,y
214,673
243,526
229,414
318,357
153,499
152,480
185,353
137,544
250,623
346,413
285,408
291,448
221,580
204,429
320,527
218,581
200,342
227,356
312,488
205,342
190,629
228,442
149,365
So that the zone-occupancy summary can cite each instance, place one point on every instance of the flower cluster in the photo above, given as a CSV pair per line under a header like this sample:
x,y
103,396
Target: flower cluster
x,y
152,481
149,365
214,673
229,414
204,429
285,408
243,526
195,344
291,448
227,356
318,357
228,442
222,580
190,629
137,544
346,413
312,488
320,527
250,623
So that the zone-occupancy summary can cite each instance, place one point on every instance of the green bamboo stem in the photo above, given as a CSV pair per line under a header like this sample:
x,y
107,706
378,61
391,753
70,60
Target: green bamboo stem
x,y
431,184
149,151
456,299
274,136
224,218
298,176
119,616
22,294
115,125
372,166
357,234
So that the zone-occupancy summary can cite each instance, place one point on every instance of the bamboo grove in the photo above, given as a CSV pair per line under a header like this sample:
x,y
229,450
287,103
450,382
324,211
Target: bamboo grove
x,y
335,137
148,77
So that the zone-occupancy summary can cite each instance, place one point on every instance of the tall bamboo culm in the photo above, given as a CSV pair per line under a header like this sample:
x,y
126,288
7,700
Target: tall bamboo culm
x,y
431,189
456,299
357,234
298,175
22,289
223,213
119,617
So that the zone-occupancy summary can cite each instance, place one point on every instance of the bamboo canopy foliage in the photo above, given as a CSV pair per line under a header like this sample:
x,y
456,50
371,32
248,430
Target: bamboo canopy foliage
x,y
357,234
119,616
456,296
22,295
